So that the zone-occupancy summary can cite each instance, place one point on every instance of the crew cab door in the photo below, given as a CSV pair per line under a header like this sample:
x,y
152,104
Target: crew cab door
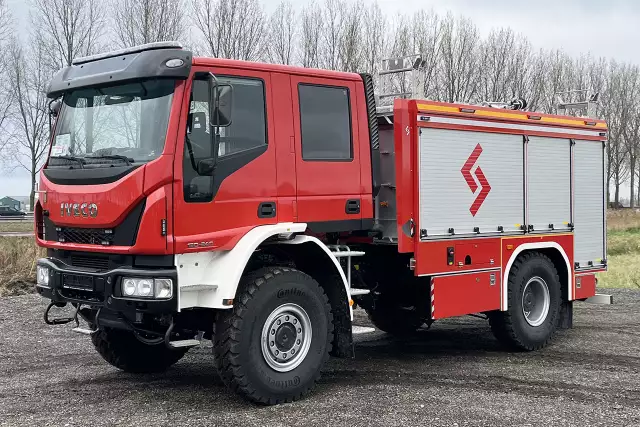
x,y
215,210
327,155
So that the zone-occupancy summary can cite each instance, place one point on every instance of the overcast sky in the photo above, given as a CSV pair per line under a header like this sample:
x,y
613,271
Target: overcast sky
x,y
601,27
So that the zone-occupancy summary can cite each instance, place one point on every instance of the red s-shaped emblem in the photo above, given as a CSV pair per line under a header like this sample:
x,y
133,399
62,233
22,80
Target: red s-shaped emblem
x,y
485,188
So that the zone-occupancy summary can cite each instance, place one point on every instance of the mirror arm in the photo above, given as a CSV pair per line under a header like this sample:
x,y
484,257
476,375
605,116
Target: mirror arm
x,y
215,129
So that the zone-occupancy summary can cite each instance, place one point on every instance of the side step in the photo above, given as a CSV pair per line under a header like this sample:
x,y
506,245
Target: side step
x,y
184,343
600,299
356,292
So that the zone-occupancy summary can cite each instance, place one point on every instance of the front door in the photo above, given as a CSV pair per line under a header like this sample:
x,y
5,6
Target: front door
x,y
213,211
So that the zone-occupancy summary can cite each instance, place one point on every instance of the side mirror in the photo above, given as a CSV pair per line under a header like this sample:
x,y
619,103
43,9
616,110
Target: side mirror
x,y
220,103
206,167
54,107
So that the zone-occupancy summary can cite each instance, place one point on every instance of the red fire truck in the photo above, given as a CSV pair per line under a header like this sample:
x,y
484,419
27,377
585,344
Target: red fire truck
x,y
255,205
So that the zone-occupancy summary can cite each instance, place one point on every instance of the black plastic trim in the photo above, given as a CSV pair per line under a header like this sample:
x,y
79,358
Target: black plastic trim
x,y
119,69
341,225
124,234
267,210
90,176
374,135
227,165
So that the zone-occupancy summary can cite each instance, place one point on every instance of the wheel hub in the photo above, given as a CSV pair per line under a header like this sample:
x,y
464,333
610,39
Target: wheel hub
x,y
286,337
535,301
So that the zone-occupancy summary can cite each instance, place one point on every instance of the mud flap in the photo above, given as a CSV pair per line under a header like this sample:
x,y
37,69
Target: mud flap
x,y
565,321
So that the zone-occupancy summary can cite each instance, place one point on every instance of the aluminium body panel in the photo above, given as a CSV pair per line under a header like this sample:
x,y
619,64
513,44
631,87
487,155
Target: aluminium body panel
x,y
385,201
471,183
549,184
589,204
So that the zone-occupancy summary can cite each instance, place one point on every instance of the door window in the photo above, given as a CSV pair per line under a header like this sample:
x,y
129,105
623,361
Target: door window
x,y
248,130
325,122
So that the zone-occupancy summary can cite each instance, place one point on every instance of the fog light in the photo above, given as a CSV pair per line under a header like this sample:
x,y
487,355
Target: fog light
x,y
42,275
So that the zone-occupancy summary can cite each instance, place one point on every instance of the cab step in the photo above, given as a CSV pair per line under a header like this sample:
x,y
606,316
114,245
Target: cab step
x,y
356,292
184,343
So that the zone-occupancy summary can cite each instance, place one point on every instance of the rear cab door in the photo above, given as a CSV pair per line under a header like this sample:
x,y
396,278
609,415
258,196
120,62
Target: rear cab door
x,y
329,191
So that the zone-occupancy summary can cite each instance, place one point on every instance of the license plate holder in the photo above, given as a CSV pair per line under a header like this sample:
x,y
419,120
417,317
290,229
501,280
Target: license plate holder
x,y
78,282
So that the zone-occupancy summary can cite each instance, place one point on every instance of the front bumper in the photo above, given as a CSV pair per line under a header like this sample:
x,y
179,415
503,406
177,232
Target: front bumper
x,y
101,289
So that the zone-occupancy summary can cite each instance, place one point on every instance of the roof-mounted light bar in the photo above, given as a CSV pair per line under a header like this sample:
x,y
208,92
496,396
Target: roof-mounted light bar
x,y
128,50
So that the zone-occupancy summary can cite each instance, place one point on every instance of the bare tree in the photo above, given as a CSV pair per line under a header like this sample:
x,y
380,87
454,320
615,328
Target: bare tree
x,y
282,30
7,91
333,15
459,59
67,29
310,37
231,28
29,78
373,38
146,21
350,44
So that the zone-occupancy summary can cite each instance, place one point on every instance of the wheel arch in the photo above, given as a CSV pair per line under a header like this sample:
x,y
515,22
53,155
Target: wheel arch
x,y
555,253
314,258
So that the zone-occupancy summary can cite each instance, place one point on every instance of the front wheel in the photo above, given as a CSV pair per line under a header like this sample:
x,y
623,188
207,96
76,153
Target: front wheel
x,y
534,299
271,346
124,351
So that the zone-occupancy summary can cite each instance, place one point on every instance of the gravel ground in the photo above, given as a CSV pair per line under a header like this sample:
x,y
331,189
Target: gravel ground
x,y
452,375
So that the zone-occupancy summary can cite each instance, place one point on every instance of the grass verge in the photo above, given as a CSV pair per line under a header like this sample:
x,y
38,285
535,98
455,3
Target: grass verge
x,y
18,265
22,226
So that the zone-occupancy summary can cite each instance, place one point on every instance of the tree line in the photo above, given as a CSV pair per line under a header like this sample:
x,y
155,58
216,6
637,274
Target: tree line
x,y
459,65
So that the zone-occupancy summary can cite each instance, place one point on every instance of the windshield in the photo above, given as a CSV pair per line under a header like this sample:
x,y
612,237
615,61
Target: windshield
x,y
124,123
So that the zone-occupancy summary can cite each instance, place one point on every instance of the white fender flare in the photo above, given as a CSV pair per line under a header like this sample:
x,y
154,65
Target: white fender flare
x,y
207,279
529,246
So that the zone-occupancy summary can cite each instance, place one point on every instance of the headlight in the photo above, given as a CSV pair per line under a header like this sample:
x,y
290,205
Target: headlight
x,y
42,275
147,288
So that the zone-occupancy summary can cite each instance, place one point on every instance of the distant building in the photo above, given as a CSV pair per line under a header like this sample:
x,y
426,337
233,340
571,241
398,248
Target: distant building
x,y
11,202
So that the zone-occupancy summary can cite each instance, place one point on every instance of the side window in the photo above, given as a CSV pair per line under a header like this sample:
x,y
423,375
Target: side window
x,y
325,122
248,127
248,130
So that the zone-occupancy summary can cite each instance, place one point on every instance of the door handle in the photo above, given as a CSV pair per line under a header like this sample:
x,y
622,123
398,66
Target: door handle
x,y
352,207
267,210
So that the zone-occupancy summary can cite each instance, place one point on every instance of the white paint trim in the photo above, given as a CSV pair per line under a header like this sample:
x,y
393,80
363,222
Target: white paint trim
x,y
300,239
222,268
500,125
530,246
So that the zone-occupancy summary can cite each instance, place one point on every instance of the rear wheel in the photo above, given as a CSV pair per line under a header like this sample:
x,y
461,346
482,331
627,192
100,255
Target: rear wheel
x,y
124,351
534,299
271,346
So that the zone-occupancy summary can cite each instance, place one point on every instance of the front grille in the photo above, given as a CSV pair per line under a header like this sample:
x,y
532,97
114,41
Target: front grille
x,y
96,263
88,236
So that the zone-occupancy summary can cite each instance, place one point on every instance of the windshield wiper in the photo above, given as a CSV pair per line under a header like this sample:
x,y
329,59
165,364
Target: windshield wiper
x,y
78,160
127,160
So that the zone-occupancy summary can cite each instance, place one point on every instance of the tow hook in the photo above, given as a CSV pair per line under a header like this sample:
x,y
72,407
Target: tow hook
x,y
64,320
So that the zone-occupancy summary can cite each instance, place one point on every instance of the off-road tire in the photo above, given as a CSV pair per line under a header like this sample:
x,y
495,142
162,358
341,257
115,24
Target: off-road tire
x,y
237,336
124,351
510,327
395,320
